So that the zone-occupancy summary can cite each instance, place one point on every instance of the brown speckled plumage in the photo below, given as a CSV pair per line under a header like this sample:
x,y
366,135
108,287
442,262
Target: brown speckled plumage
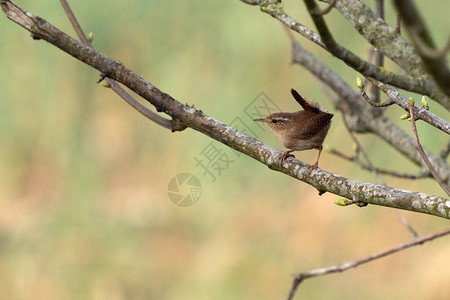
x,y
301,130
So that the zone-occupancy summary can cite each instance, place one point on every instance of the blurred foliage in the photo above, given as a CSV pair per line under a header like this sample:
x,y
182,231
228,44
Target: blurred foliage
x,y
83,178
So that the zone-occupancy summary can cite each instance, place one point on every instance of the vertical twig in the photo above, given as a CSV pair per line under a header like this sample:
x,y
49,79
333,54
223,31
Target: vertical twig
x,y
398,22
378,176
375,92
379,57
422,152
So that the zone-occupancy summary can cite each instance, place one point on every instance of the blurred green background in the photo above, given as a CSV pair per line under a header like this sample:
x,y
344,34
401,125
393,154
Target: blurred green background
x,y
85,212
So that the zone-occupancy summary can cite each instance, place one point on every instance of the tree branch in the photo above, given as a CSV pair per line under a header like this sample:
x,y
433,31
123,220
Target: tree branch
x,y
326,10
366,97
422,152
322,180
415,84
427,51
418,85
435,65
275,9
376,173
388,41
421,174
379,57
419,112
133,102
300,277
365,118
446,151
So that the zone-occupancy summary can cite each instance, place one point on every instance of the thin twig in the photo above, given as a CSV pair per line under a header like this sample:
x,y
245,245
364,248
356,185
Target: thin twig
x,y
420,175
326,10
398,26
75,24
427,51
445,152
299,277
379,7
377,174
406,223
422,153
419,112
366,97
363,152
374,91
379,57
116,87
137,105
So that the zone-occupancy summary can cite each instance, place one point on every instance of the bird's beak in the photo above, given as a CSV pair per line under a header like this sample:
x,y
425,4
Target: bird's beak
x,y
259,120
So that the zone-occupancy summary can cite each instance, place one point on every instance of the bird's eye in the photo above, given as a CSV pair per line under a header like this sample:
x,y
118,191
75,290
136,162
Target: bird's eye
x,y
274,121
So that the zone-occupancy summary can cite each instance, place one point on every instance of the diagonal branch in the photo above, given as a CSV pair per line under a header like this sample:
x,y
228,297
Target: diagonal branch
x,y
419,112
326,10
189,116
299,277
364,117
360,65
435,65
418,85
133,102
387,40
427,51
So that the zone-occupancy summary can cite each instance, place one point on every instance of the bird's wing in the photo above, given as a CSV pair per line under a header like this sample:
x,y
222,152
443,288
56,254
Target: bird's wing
x,y
313,123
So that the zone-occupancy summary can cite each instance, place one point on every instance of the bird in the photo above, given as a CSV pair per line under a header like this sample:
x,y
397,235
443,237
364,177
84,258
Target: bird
x,y
302,130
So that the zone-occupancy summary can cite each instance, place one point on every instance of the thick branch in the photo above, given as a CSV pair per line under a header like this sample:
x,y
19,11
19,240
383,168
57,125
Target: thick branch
x,y
436,66
418,85
360,65
387,40
367,118
322,180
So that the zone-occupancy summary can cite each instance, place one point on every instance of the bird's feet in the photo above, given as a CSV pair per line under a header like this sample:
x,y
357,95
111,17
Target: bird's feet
x,y
285,155
312,167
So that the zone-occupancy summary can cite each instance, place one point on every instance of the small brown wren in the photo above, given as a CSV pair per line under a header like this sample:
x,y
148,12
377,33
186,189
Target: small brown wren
x,y
302,130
